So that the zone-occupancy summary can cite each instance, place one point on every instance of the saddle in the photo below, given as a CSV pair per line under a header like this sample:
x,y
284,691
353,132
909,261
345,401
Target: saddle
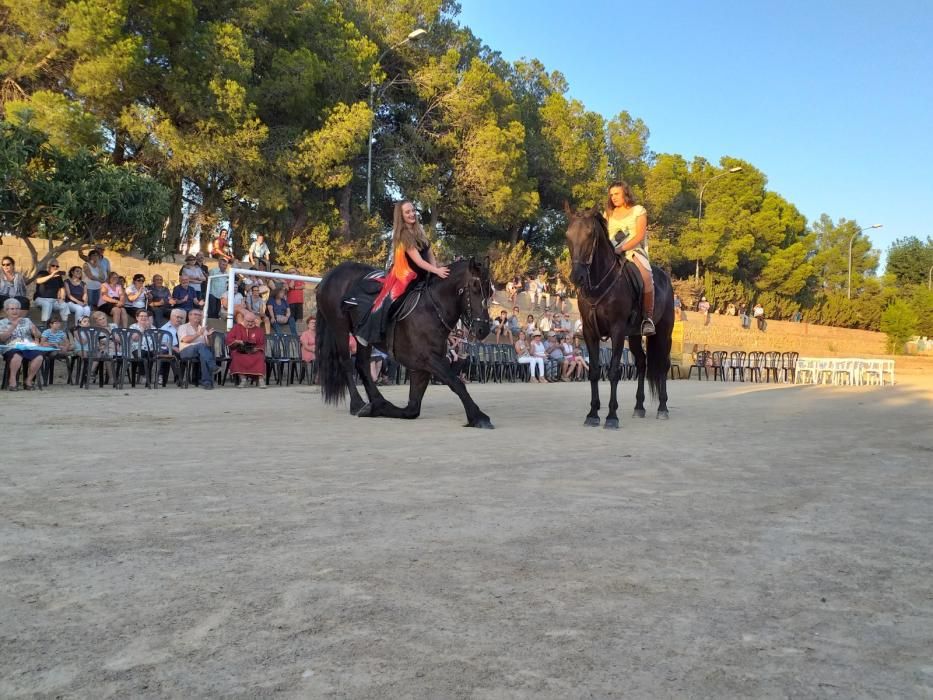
x,y
363,295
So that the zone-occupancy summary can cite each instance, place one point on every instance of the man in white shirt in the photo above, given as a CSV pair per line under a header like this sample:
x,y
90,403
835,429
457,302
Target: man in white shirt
x,y
259,251
217,288
175,319
193,338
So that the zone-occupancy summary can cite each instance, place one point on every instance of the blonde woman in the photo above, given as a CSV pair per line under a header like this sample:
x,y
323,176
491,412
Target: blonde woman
x,y
412,259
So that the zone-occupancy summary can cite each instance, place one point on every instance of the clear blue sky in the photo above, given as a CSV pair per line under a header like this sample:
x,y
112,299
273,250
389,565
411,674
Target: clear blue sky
x,y
832,100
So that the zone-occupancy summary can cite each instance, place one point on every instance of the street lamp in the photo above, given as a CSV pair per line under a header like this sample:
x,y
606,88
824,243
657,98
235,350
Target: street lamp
x,y
851,240
730,171
413,35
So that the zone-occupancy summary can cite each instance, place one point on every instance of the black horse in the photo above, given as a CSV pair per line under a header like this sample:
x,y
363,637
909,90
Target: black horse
x,y
611,307
418,340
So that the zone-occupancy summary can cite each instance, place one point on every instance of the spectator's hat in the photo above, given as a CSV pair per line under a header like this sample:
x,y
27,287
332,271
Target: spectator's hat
x,y
535,333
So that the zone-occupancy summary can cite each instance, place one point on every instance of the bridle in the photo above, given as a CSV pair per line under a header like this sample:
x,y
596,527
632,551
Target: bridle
x,y
466,317
590,288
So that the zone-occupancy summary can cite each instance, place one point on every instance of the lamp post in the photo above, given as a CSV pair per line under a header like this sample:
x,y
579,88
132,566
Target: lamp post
x,y
412,36
730,171
852,240
930,278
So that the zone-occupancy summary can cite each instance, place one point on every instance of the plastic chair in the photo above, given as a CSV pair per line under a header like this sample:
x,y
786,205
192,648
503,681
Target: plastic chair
x,y
699,364
754,364
789,365
163,355
719,370
95,353
737,364
772,363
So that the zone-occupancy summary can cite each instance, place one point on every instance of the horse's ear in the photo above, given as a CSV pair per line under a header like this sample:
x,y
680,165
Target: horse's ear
x,y
596,210
568,210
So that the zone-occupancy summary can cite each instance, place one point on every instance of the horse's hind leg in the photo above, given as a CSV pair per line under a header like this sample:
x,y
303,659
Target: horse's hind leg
x,y
418,380
638,352
377,406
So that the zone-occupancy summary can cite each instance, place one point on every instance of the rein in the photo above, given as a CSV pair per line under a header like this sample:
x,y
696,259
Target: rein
x,y
466,316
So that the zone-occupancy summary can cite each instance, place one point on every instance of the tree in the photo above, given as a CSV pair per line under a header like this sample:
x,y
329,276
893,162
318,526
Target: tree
x,y
74,200
899,323
910,260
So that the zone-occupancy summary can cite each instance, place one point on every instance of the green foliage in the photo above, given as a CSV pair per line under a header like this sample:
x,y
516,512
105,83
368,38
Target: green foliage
x,y
76,199
899,323
258,112
507,261
910,260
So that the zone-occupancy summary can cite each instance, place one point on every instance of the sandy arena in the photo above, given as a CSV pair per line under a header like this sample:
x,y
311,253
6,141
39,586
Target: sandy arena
x,y
767,541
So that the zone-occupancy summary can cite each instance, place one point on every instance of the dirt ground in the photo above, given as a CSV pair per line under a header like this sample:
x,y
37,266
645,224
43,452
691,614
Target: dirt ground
x,y
767,541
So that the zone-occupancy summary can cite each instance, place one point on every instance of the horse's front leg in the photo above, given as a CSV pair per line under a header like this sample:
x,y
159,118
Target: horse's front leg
x,y
638,351
443,372
592,346
615,374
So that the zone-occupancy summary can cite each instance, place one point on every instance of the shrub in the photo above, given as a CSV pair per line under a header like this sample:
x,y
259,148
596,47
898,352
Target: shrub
x,y
899,322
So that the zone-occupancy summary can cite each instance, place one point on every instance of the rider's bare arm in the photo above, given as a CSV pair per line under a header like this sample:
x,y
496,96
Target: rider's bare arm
x,y
425,264
641,226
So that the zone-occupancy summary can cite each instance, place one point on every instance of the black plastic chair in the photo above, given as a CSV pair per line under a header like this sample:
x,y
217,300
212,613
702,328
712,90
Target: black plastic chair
x,y
772,363
719,370
163,357
754,364
221,355
789,365
699,364
97,350
737,364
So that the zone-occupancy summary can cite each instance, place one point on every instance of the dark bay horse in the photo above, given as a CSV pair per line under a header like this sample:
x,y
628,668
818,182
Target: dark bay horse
x,y
419,341
611,308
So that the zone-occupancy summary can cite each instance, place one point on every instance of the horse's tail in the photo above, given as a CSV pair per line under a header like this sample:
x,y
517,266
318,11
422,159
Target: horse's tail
x,y
330,367
658,362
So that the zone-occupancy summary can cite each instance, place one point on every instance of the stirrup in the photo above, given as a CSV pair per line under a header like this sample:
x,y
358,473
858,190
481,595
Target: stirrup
x,y
351,301
647,327
361,340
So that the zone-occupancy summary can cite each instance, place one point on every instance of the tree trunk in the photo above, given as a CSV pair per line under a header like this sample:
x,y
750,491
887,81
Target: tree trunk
x,y
345,211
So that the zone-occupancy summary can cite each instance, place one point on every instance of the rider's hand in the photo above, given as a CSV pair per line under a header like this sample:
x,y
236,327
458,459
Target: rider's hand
x,y
442,272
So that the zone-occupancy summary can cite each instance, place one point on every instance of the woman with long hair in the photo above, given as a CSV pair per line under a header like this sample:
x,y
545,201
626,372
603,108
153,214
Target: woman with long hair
x,y
411,259
628,229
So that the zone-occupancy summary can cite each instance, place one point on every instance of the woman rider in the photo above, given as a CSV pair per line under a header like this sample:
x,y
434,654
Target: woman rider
x,y
411,260
628,228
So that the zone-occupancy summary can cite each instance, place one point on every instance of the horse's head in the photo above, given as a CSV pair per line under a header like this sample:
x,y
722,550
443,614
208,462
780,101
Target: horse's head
x,y
586,232
470,283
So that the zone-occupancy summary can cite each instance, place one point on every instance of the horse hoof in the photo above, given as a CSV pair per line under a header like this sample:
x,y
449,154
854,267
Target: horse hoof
x,y
366,411
355,410
611,424
483,423
664,415
638,413
591,422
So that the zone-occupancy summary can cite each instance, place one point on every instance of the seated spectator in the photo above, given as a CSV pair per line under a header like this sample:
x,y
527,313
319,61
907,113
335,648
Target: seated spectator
x,y
539,351
143,323
175,320
159,301
108,345
308,342
581,357
79,347
255,304
458,354
186,297
55,337
560,295
195,272
515,323
512,288
546,323
730,309
76,294
501,327
112,300
193,339
679,311
247,343
535,364
578,326
530,325
50,292
17,329
12,284
136,296
555,358
220,247
278,312
570,359
566,325
759,315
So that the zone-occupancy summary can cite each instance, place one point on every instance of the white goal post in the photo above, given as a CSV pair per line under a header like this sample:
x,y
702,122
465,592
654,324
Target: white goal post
x,y
231,274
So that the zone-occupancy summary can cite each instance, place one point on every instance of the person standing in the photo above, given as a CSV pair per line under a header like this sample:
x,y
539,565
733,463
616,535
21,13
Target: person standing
x,y
628,227
296,296
217,288
95,275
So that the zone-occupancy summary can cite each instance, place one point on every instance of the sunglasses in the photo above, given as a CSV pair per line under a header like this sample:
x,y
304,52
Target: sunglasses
x,y
55,266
